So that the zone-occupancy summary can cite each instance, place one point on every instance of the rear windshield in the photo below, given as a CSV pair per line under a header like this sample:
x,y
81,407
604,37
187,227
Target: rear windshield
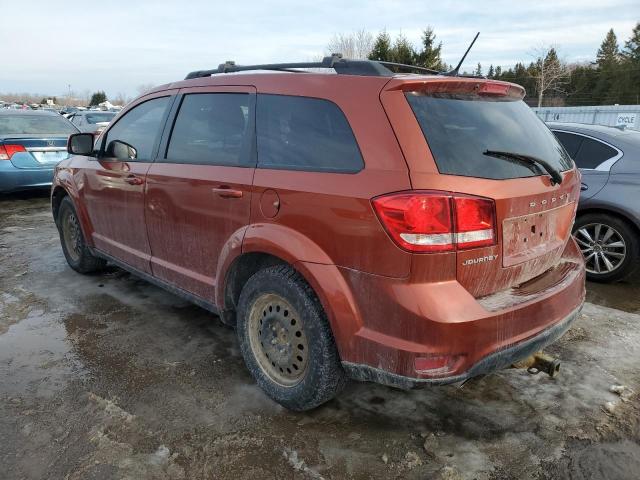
x,y
459,129
100,117
35,124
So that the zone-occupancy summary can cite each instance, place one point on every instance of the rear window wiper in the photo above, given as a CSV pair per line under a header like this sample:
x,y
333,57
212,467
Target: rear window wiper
x,y
556,177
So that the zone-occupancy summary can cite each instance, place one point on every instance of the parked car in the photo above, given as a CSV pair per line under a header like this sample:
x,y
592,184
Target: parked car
x,y
399,228
607,226
68,111
32,142
91,121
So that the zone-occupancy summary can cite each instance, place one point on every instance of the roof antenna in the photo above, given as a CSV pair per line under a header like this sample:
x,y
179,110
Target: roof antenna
x,y
454,72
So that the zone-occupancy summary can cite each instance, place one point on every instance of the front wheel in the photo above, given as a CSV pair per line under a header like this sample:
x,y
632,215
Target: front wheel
x,y
75,250
609,246
286,340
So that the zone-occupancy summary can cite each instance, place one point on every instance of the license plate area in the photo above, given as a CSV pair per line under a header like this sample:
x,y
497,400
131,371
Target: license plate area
x,y
529,236
49,156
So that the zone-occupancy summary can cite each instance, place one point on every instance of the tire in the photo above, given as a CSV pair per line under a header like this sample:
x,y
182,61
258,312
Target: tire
x,y
610,246
299,367
74,247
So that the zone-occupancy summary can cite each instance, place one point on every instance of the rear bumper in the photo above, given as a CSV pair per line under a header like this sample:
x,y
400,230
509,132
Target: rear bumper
x,y
14,179
388,330
496,361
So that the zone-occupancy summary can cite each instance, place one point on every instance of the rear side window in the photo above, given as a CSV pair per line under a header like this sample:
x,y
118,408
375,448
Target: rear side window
x,y
212,129
99,117
301,133
460,128
16,124
138,129
592,153
570,142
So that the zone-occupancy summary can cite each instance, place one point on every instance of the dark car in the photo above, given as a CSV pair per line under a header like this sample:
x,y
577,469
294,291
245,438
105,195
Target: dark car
x,y
91,121
607,226
363,224
32,142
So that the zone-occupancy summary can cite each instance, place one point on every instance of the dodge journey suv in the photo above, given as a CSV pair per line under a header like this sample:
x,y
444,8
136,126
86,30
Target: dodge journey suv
x,y
408,229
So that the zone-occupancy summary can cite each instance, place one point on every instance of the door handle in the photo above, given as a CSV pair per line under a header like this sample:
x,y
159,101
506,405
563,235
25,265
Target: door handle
x,y
134,180
583,187
227,192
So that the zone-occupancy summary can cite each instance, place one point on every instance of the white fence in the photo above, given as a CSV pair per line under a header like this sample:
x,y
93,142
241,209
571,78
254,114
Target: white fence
x,y
613,115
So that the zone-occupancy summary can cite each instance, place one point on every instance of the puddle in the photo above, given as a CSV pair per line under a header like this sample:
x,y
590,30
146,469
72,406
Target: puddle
x,y
36,358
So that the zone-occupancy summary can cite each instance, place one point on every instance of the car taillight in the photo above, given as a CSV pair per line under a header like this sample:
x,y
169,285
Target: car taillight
x,y
7,151
427,222
475,221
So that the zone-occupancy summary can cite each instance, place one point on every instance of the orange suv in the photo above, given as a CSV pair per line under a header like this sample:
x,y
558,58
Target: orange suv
x,y
408,229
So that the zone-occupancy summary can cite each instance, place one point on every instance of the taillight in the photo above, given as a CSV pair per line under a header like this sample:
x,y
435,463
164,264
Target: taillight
x,y
475,221
424,221
7,151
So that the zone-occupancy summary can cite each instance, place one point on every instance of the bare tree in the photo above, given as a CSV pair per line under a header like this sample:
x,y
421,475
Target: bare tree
x,y
356,45
120,99
144,88
551,74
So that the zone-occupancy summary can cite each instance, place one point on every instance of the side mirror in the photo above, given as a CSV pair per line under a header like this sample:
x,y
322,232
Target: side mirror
x,y
121,150
80,144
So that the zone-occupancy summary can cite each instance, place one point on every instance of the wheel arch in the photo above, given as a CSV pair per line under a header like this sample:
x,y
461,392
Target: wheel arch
x,y
63,186
260,246
57,194
252,248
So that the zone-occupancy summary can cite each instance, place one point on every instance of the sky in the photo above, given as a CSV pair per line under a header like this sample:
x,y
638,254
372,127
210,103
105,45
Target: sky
x,y
52,46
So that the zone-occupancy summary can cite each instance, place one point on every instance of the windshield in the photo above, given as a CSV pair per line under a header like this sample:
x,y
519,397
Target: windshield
x,y
460,128
100,117
35,124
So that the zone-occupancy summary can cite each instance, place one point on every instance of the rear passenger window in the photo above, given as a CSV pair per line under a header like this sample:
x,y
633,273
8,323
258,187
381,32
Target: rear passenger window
x,y
301,133
570,142
212,129
592,153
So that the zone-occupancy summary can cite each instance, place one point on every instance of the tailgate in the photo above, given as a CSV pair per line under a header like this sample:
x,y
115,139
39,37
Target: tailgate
x,y
476,137
533,228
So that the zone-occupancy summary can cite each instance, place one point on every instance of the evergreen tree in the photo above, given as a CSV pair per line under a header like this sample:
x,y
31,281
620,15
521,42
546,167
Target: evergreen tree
x,y
630,68
581,85
97,98
608,87
491,72
402,51
478,71
608,53
429,56
381,48
632,46
498,73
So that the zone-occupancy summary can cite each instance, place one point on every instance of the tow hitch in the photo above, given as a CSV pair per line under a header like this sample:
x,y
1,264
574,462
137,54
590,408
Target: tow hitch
x,y
540,362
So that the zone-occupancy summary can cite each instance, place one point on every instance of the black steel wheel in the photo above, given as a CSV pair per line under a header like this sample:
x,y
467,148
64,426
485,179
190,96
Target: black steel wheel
x,y
286,340
75,250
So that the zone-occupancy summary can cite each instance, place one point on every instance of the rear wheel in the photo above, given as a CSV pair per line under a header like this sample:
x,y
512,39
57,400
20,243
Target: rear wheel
x,y
609,245
286,340
75,250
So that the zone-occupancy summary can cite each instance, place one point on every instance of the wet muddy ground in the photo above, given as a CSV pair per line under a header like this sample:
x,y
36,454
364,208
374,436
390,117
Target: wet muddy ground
x,y
107,377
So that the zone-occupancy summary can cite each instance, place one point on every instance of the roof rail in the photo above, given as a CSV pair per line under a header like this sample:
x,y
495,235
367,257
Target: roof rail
x,y
341,66
410,68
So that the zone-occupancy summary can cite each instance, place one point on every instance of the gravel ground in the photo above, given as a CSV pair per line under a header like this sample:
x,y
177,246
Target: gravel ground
x,y
107,377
